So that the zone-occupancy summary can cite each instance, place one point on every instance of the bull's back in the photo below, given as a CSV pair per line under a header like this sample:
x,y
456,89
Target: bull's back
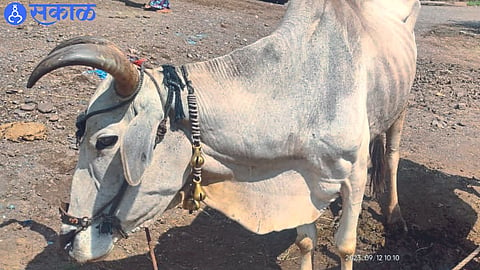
x,y
390,53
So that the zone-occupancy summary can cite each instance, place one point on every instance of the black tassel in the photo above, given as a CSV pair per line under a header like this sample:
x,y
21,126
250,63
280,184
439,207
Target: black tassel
x,y
175,86
179,113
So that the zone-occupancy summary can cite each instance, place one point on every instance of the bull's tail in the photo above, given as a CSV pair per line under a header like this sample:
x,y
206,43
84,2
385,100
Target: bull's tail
x,y
377,171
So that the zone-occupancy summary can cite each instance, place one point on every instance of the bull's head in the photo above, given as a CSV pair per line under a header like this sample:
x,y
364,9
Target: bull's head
x,y
122,178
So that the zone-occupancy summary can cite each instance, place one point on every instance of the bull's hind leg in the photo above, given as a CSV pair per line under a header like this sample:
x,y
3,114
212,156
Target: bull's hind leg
x,y
395,220
306,241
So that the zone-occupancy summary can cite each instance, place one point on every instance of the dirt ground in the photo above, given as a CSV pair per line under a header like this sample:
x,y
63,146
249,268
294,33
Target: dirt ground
x,y
439,186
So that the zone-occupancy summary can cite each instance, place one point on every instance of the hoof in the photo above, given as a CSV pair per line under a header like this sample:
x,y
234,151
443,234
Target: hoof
x,y
397,228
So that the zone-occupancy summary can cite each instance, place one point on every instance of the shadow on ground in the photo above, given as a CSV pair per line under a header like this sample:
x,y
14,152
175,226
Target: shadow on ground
x,y
438,220
468,28
473,26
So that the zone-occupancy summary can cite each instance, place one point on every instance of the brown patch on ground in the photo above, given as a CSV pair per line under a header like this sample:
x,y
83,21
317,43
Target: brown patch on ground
x,y
27,131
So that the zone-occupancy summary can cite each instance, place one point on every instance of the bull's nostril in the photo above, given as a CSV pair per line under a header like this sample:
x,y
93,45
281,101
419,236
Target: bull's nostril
x,y
66,240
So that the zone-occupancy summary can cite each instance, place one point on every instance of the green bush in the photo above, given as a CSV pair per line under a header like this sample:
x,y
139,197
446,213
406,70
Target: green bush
x,y
473,3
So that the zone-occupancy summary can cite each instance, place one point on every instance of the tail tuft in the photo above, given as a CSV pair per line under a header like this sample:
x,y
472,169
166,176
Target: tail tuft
x,y
377,173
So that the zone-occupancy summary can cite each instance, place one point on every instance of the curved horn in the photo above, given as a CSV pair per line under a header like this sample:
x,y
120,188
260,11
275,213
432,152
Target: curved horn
x,y
102,55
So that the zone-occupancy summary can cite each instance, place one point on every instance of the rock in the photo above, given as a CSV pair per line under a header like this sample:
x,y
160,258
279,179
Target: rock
x,y
54,118
365,206
460,106
438,123
29,100
27,107
459,92
20,113
441,118
45,107
189,55
470,34
11,91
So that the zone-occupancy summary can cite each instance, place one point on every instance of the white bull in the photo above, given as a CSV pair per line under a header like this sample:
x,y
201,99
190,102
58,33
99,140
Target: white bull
x,y
285,126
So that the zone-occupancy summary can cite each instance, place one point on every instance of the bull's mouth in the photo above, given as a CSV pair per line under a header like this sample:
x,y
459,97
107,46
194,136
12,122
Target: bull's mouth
x,y
87,246
70,253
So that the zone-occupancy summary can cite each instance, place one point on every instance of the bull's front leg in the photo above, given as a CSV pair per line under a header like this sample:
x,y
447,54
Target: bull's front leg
x,y
352,191
306,242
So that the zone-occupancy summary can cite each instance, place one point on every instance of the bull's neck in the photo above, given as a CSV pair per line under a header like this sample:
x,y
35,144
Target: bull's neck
x,y
250,68
261,67
288,45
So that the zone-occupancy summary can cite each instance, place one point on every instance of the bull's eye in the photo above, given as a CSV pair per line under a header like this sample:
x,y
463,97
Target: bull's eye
x,y
104,142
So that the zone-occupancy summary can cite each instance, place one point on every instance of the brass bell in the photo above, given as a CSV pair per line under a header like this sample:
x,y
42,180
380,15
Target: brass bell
x,y
197,160
191,205
198,192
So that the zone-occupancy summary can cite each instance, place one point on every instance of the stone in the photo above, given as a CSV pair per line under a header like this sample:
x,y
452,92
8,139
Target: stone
x,y
20,113
459,92
27,107
11,91
439,124
461,106
54,118
45,107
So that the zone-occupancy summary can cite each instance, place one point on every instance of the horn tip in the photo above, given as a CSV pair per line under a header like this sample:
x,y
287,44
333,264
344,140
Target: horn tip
x,y
31,82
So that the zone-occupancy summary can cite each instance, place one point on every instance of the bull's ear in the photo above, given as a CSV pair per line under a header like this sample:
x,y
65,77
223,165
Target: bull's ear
x,y
136,148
